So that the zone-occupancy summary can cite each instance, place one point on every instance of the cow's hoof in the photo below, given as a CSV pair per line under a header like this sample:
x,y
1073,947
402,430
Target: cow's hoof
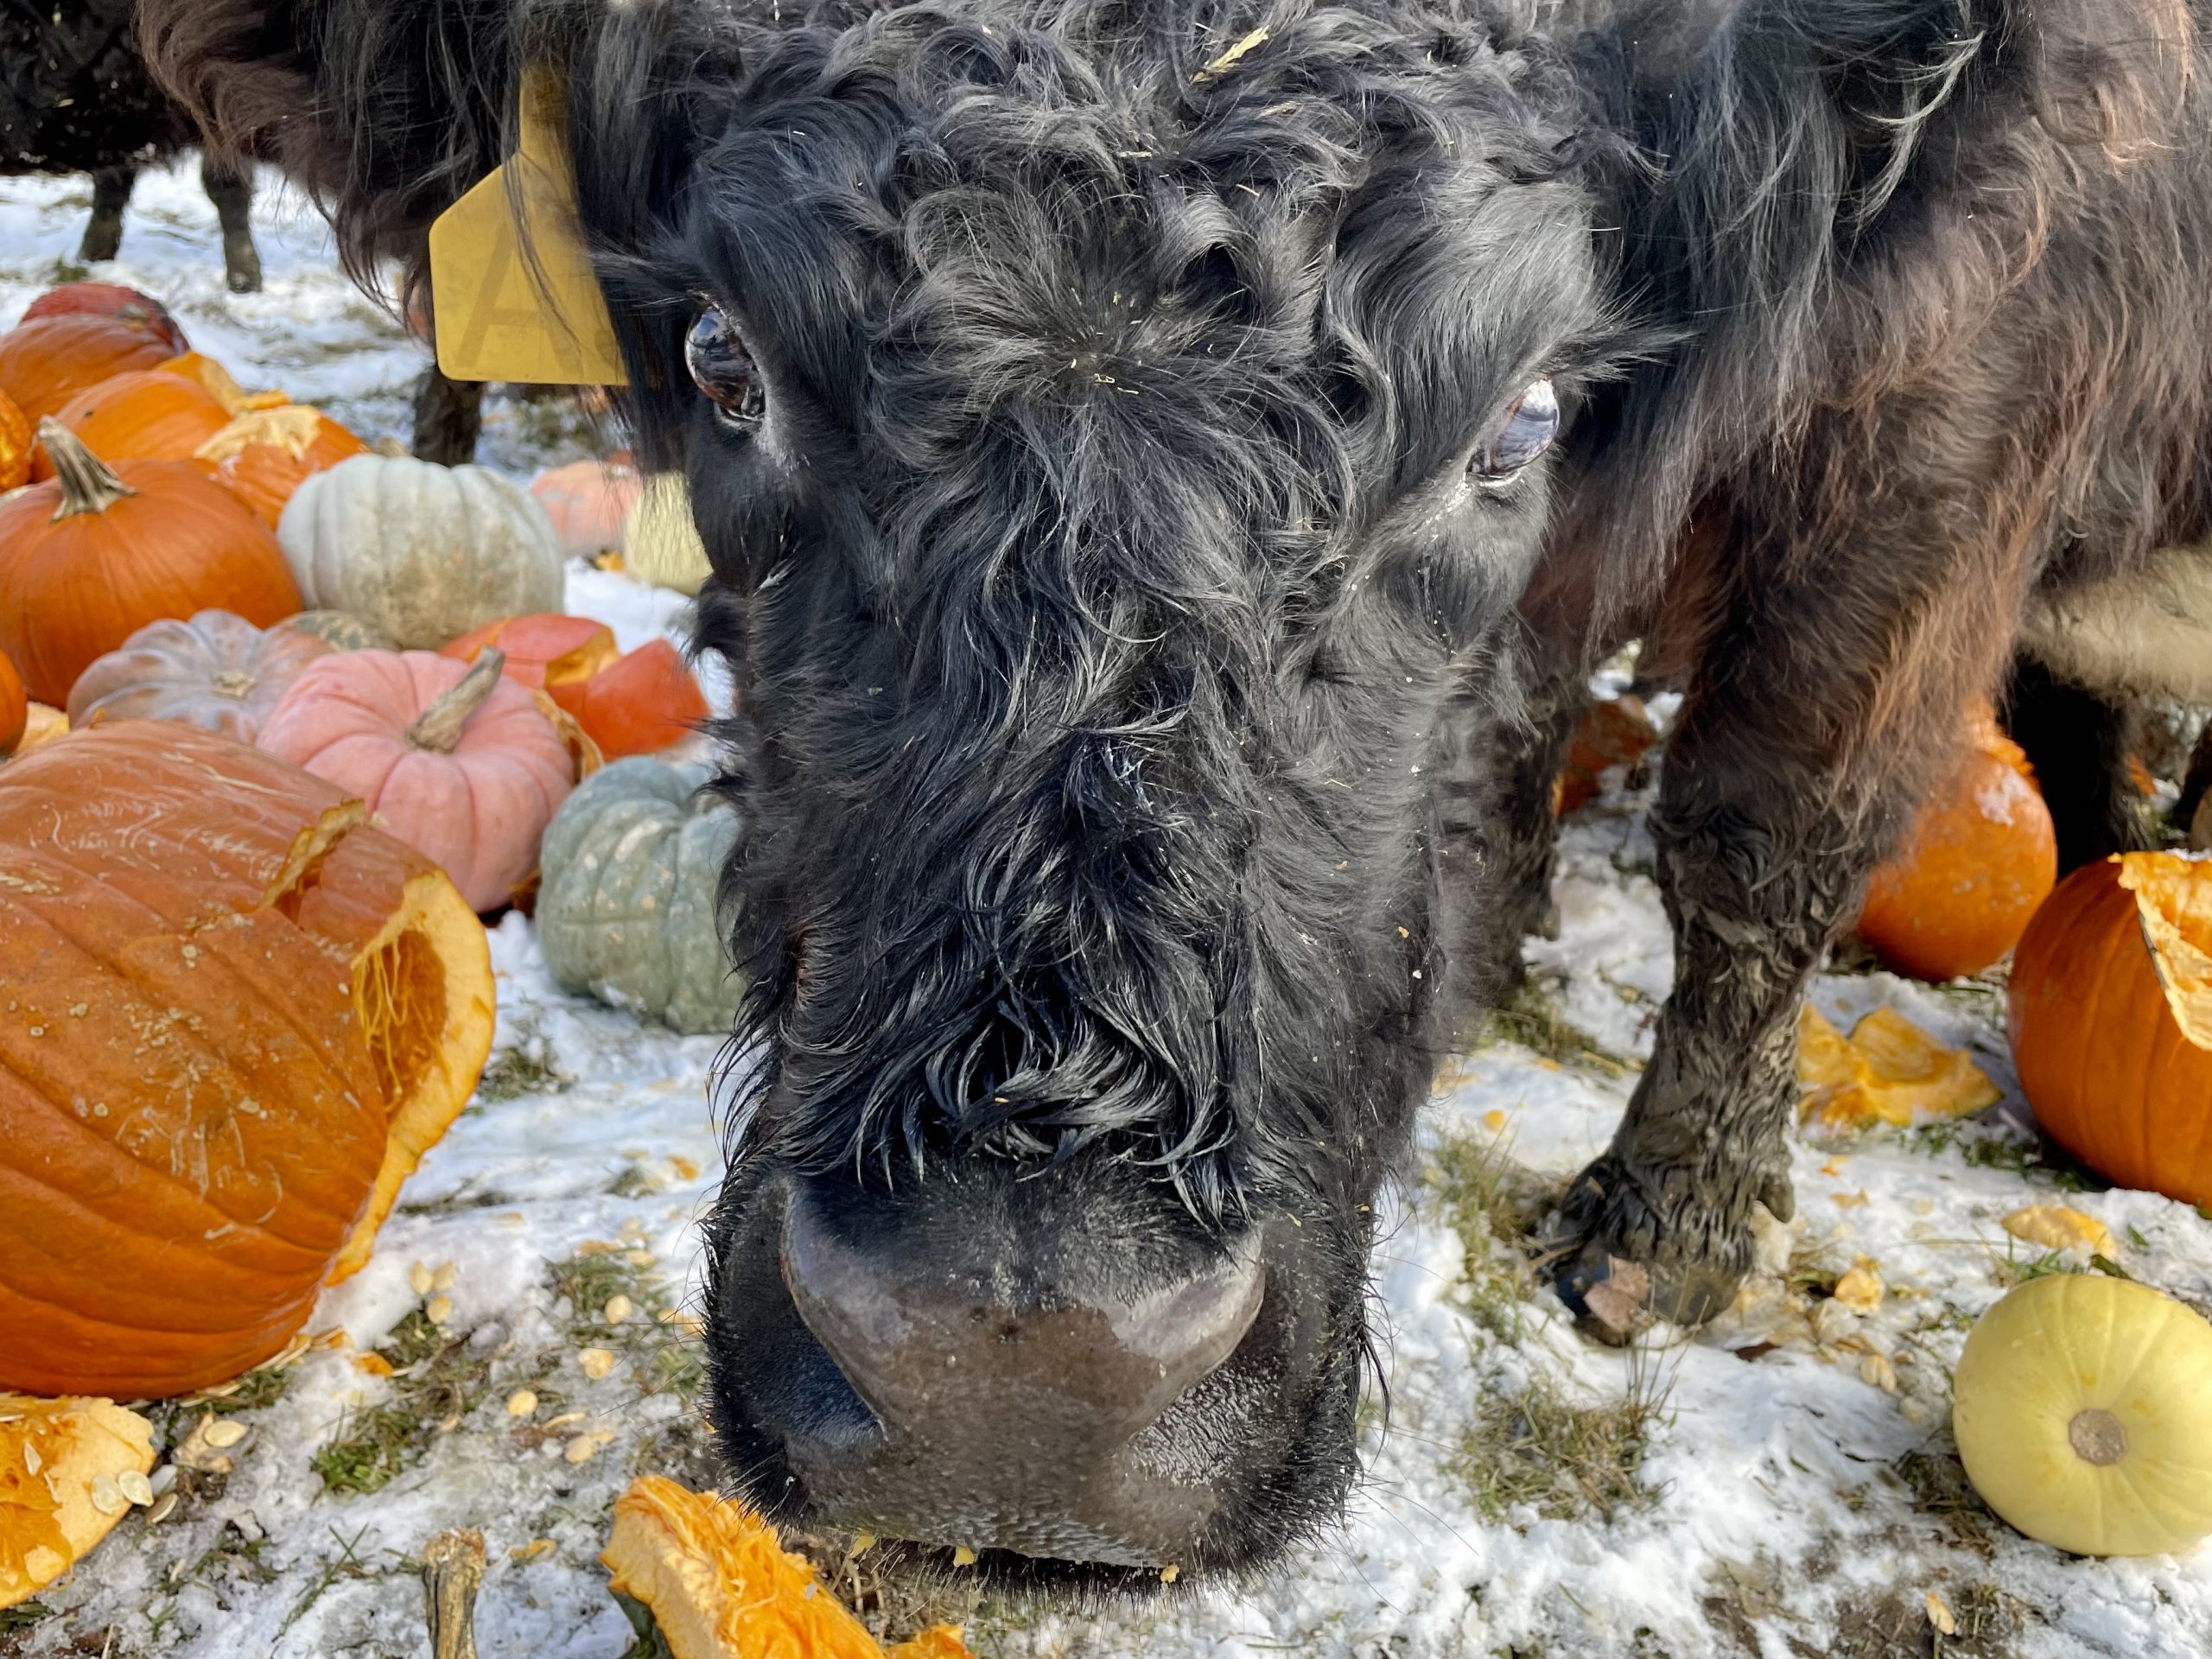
x,y
1619,1268
242,271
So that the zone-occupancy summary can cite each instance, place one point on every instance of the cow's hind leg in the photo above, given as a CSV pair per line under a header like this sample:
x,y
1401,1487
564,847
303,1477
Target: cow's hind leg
x,y
1824,695
111,195
2079,742
449,418
231,189
1520,835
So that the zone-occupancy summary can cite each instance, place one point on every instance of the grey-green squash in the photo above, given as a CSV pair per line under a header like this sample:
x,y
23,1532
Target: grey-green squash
x,y
626,909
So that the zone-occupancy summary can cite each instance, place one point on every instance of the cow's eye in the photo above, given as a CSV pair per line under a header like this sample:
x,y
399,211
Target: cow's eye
x,y
723,368
1524,432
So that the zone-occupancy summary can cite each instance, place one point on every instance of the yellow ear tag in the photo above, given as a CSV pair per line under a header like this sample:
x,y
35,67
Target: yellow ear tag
x,y
518,301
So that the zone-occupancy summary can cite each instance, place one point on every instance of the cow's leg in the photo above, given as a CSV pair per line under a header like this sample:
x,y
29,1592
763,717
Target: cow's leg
x,y
449,418
231,189
2194,811
111,195
2079,741
1824,697
1520,835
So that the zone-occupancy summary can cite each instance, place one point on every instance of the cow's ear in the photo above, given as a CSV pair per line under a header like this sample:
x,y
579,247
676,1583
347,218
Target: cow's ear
x,y
386,111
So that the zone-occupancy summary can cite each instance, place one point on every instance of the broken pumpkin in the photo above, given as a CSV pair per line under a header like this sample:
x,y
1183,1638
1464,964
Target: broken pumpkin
x,y
1888,1070
59,1463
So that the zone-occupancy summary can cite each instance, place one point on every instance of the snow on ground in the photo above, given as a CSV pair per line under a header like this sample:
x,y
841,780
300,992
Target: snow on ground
x,y
1782,1484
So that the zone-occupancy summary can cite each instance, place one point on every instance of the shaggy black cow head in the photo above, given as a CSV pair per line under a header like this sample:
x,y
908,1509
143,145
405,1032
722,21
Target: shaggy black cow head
x,y
1120,434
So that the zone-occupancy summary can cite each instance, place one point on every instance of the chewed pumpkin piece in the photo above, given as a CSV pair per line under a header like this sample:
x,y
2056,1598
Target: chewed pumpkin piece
x,y
2173,899
58,1463
1888,1070
2055,1227
718,1586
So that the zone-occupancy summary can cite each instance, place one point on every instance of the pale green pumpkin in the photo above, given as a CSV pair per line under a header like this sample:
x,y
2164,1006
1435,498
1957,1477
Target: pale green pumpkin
x,y
626,911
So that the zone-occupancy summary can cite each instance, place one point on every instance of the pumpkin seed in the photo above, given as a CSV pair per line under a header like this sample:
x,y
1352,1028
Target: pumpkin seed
x,y
639,1258
619,1308
533,1550
419,1278
585,1447
223,1435
1170,1572
596,1363
522,1403
438,1309
136,1487
107,1498
164,1506
444,1277
963,1556
565,1419
31,1458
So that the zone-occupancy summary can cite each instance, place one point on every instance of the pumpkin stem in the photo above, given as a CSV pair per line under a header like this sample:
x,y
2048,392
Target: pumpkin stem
x,y
87,485
439,727
453,1565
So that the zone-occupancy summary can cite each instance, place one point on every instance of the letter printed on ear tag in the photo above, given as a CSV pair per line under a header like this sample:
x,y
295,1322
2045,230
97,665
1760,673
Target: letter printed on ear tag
x,y
512,281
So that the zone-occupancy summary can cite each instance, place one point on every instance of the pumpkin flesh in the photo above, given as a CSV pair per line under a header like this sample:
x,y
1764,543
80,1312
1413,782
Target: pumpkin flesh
x,y
541,650
193,1117
52,1453
718,1586
644,702
2083,1414
2109,1010
264,456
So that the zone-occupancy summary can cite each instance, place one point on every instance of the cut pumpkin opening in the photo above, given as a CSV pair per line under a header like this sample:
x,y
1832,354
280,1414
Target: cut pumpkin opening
x,y
2173,901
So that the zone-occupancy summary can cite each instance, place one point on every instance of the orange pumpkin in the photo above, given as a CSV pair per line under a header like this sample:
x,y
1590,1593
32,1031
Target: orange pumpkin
x,y
211,378
637,704
108,300
1981,856
236,1014
1614,732
587,502
541,649
264,455
2110,1013
15,442
92,556
14,707
44,364
146,415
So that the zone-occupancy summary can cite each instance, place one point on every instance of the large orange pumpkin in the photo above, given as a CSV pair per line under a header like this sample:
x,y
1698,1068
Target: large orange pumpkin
x,y
44,364
236,1014
640,703
146,415
14,707
108,300
264,455
2111,1020
92,556
15,442
1981,856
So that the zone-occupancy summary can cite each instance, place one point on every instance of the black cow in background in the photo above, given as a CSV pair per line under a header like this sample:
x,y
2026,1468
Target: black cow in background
x,y
75,97
1166,465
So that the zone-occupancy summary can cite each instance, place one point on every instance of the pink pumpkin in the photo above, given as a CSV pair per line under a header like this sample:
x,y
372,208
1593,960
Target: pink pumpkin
x,y
588,502
457,761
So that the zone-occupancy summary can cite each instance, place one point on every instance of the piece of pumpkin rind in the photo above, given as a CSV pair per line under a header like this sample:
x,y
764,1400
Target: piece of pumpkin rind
x,y
2173,902
49,1512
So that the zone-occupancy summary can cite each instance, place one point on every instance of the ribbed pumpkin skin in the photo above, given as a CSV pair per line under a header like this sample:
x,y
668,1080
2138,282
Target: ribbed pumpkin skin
x,y
190,1124
109,300
146,415
479,812
217,671
2101,1058
15,445
74,589
424,552
14,707
44,363
626,911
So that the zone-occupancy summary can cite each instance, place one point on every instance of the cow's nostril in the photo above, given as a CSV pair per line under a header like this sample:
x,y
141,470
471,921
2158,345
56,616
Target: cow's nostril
x,y
966,1358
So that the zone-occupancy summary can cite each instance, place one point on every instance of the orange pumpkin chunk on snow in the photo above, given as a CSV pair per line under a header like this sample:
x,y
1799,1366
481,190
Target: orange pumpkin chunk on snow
x,y
1888,1070
59,1463
236,1016
718,1584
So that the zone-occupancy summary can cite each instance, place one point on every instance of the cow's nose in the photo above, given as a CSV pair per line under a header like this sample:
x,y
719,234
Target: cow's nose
x,y
1013,1404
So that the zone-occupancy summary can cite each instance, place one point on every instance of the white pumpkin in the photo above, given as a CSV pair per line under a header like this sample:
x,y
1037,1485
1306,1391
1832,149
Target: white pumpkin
x,y
660,542
423,552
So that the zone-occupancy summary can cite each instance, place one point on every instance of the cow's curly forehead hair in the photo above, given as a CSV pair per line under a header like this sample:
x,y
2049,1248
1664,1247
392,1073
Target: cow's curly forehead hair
x,y
1098,348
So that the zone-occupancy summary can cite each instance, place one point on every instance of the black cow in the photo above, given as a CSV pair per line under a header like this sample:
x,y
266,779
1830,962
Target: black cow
x,y
75,97
1162,463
